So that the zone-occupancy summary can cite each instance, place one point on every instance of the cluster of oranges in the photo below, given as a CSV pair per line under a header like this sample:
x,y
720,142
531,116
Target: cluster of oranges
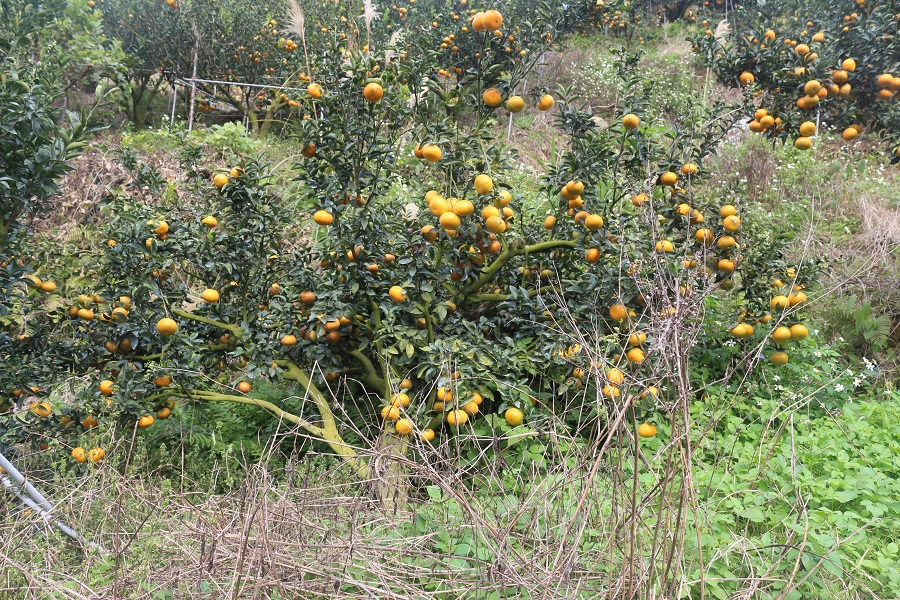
x,y
446,406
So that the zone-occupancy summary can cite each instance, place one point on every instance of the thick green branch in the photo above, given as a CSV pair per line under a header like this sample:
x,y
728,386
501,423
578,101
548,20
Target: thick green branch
x,y
283,414
513,251
503,297
235,329
370,375
329,429
327,434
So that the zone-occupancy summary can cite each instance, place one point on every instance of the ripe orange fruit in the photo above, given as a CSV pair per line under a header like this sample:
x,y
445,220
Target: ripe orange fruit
x,y
639,199
96,454
549,222
457,417
618,312
593,222
471,408
635,355
610,391
373,92
781,335
740,330
164,413
166,326
615,376
210,295
637,338
664,246
314,90
432,153
210,221
796,298
885,81
515,104
668,179
400,399
79,454
592,255
746,78
848,64
323,218
689,169
450,220
244,387
807,129
491,20
427,435
404,427
802,49
646,430
492,97
483,184
162,381
397,294
725,266
48,287
85,313
704,236
146,421
438,205
430,232
631,121
799,332
220,180
106,387
803,143
307,297
849,133
779,302
513,417
731,223
503,199
463,208
546,102
289,340
651,391
495,224
779,358
812,87
40,409
390,413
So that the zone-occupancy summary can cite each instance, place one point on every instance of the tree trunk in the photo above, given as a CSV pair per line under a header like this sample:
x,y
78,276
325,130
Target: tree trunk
x,y
389,471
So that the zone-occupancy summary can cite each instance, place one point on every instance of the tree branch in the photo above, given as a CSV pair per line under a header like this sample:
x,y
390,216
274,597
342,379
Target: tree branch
x,y
235,329
370,377
329,431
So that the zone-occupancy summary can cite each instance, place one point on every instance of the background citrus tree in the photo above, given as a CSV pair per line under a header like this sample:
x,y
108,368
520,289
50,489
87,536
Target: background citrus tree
x,y
834,64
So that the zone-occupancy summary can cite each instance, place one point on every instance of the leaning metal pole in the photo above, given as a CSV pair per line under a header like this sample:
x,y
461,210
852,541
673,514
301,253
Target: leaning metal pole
x,y
12,480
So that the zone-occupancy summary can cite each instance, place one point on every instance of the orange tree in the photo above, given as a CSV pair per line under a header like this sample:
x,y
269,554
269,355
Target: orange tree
x,y
34,149
834,62
157,40
439,292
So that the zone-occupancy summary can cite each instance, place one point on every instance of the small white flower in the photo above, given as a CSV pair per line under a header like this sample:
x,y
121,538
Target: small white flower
x,y
839,388
776,378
